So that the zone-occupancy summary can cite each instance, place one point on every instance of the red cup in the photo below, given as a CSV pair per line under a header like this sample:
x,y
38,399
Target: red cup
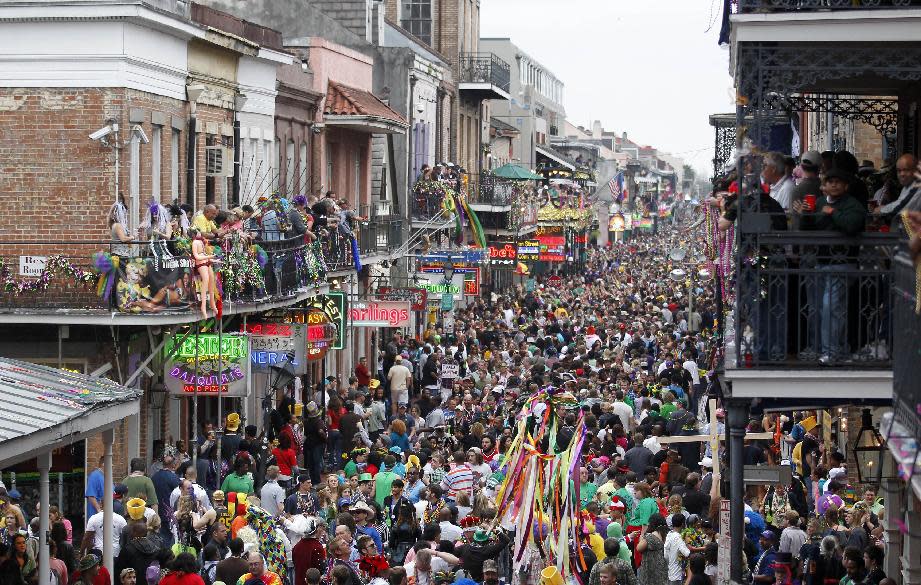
x,y
809,202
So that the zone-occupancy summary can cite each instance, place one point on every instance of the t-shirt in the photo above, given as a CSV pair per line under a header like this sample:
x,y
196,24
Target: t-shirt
x,y
398,376
95,487
96,525
237,483
459,480
675,548
203,224
140,486
272,498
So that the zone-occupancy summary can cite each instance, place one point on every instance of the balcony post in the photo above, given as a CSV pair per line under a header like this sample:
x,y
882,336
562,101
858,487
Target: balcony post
x,y
738,417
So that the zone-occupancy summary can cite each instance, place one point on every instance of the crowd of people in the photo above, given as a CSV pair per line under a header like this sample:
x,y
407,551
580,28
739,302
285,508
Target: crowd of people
x,y
393,476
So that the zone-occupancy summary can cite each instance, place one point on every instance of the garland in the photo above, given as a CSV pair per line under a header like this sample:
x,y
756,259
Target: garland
x,y
56,265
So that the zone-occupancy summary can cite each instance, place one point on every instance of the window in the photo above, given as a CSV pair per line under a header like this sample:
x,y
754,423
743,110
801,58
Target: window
x,y
356,199
290,163
174,140
155,152
416,18
134,180
210,184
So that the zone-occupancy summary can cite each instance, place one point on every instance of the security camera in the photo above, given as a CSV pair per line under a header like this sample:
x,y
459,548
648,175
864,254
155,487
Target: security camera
x,y
104,131
139,132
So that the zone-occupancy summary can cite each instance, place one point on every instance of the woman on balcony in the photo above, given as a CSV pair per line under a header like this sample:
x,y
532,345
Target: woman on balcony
x,y
204,269
118,222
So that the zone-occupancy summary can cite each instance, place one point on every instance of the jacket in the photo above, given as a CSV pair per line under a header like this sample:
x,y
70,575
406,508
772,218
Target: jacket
x,y
849,216
139,554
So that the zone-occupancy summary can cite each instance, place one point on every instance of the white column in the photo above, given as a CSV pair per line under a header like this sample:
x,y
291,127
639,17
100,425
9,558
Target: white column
x,y
44,498
108,437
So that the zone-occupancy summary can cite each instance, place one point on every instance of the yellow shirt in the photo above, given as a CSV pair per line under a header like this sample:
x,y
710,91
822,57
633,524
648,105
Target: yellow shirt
x,y
203,224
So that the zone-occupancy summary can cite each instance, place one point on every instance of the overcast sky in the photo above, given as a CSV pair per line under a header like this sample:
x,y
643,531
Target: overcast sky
x,y
646,67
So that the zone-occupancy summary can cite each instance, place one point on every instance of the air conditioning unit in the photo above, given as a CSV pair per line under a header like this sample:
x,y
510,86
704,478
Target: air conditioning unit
x,y
218,161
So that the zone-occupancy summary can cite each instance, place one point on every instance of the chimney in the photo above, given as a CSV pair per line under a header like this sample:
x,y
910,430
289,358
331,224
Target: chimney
x,y
597,129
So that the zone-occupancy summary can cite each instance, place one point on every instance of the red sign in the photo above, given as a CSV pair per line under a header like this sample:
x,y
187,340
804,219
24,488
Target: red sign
x,y
503,254
279,329
380,314
555,281
552,240
417,297
581,239
320,335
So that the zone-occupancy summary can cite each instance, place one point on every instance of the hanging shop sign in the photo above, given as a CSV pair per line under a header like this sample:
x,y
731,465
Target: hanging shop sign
x,y
431,278
380,314
333,305
469,274
503,255
462,257
447,302
208,364
271,344
552,240
528,251
417,297
321,334
616,223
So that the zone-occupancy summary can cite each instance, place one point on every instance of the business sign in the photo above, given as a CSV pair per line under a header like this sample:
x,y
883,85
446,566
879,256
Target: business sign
x,y
528,251
433,281
552,240
503,255
417,297
32,265
321,334
469,274
207,364
333,305
271,343
616,223
462,257
447,302
380,314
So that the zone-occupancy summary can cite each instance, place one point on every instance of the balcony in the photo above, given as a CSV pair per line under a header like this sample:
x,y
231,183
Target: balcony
x,y
813,317
907,347
766,6
484,76
380,236
68,282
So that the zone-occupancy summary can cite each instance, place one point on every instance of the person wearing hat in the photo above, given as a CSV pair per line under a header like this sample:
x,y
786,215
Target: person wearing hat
x,y
90,571
362,513
810,184
315,438
230,440
764,565
474,555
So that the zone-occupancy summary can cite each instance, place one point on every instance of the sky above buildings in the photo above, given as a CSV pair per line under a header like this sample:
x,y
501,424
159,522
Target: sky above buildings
x,y
650,68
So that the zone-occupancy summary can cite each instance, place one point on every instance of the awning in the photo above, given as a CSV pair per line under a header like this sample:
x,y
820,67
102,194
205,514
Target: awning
x,y
555,157
356,109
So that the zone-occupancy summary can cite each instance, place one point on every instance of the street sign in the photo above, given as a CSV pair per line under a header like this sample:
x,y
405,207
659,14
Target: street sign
x,y
32,265
447,302
725,543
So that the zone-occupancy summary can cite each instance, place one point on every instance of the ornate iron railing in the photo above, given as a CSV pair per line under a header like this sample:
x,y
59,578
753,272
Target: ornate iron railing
x,y
88,277
485,68
758,6
809,299
906,370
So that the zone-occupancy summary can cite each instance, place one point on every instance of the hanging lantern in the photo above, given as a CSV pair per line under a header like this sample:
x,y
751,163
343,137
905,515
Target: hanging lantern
x,y
869,451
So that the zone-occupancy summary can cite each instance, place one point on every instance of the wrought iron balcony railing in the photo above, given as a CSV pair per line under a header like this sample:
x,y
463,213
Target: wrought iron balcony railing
x,y
762,6
380,235
811,299
99,277
906,369
485,68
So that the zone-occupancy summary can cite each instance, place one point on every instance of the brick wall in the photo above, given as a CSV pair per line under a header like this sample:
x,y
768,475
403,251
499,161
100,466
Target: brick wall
x,y
868,144
352,14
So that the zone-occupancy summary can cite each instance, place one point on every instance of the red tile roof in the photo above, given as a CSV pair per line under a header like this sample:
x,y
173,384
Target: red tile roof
x,y
342,100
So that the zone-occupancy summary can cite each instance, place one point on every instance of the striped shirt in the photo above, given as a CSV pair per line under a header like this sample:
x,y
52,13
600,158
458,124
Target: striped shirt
x,y
459,480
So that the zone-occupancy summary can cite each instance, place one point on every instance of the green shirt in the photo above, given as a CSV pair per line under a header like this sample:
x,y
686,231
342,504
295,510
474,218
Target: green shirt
x,y
140,486
382,482
238,483
646,508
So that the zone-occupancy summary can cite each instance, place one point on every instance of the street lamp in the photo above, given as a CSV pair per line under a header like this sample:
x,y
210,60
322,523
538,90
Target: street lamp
x,y
869,452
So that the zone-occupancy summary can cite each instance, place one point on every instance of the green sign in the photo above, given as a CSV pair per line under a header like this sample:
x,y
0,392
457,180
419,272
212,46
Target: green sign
x,y
447,302
530,284
333,305
445,288
205,346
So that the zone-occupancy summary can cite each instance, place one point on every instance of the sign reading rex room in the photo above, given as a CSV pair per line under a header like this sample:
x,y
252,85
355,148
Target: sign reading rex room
x,y
380,314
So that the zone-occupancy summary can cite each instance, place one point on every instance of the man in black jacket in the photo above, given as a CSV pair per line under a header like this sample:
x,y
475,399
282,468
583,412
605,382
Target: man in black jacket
x,y
474,554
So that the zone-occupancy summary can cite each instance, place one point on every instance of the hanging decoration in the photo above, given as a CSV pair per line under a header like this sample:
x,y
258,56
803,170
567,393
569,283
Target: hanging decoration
x,y
56,265
539,493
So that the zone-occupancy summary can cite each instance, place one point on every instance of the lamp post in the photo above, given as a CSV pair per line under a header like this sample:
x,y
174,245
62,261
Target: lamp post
x,y
869,451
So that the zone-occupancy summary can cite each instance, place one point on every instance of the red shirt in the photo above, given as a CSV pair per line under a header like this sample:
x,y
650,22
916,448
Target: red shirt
x,y
180,578
334,417
363,375
285,459
101,578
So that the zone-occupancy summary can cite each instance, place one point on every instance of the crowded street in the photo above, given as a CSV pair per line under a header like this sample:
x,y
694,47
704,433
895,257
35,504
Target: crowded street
x,y
456,292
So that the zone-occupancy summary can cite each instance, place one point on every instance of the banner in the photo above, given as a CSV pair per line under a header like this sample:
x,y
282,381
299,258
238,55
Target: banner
x,y
217,365
380,314
154,284
469,275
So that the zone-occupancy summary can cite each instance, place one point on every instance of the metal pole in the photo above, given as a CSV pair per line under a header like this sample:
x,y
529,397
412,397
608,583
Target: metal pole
x,y
738,416
108,561
195,400
44,566
220,398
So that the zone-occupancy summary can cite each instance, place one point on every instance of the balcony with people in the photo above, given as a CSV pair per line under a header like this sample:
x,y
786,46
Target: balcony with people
x,y
773,6
484,75
247,258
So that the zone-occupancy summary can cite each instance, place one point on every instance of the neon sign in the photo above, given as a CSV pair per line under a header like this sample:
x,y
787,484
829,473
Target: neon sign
x,y
210,365
208,345
380,314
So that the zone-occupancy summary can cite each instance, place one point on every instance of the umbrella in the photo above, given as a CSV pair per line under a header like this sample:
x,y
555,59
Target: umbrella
x,y
513,171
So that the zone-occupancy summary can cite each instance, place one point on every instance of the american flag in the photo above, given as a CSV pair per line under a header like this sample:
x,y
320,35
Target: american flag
x,y
617,186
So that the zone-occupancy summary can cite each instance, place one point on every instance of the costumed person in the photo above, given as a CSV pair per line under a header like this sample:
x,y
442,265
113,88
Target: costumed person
x,y
204,269
118,228
273,544
258,571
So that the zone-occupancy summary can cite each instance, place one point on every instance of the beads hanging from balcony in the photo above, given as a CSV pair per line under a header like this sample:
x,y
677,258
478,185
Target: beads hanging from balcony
x,y
55,266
